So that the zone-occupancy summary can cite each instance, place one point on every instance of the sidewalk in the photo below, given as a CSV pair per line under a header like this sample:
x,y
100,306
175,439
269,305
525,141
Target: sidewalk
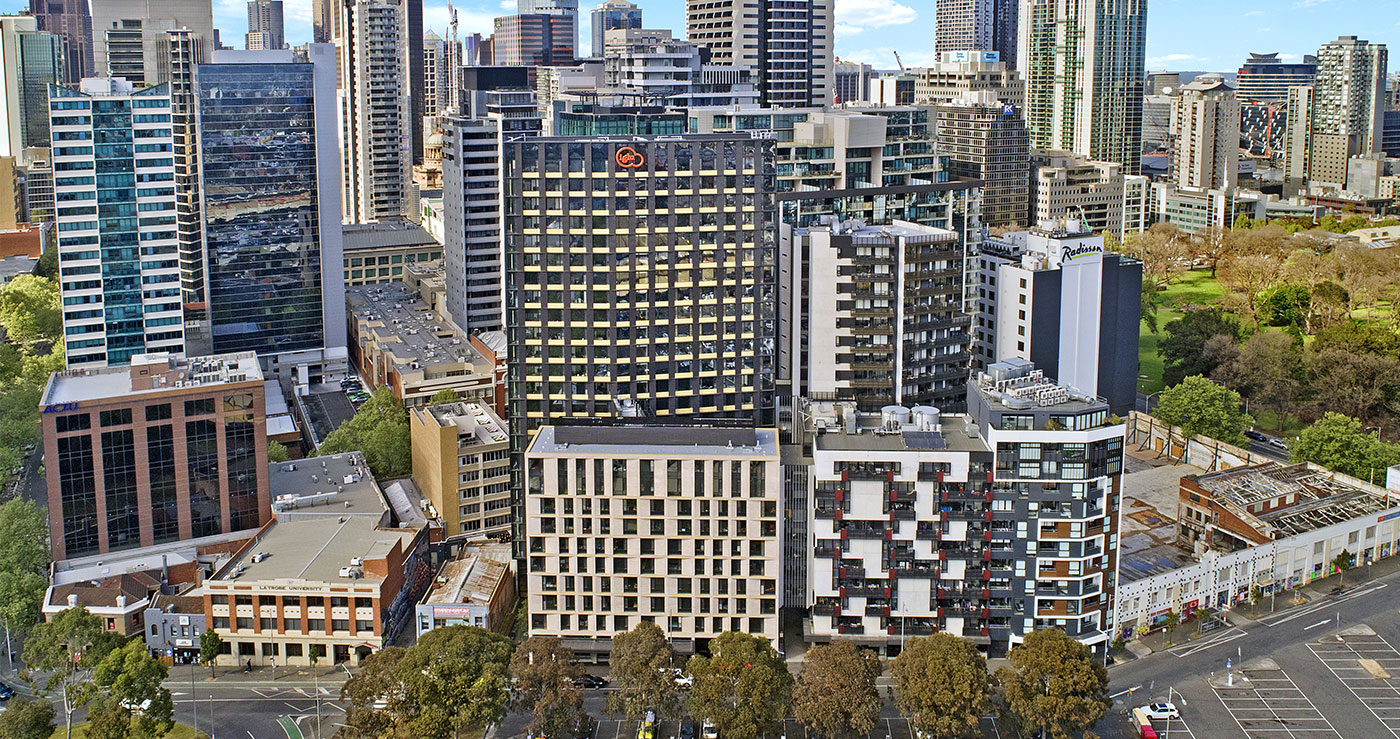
x,y
1245,614
259,677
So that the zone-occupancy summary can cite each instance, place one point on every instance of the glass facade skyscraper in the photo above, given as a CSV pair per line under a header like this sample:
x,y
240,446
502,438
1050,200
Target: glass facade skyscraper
x,y
115,208
257,138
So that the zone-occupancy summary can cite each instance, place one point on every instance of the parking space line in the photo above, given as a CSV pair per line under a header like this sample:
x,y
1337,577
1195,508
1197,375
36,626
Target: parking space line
x,y
1265,718
1381,696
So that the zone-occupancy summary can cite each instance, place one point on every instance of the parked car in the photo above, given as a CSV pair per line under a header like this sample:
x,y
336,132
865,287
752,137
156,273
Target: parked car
x,y
1255,435
585,728
6,692
1278,444
589,682
1161,711
687,730
709,731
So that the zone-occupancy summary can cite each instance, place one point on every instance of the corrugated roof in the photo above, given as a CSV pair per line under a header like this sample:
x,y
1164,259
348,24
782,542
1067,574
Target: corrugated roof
x,y
385,234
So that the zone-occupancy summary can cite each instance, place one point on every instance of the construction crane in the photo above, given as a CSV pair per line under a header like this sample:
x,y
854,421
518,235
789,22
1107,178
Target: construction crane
x,y
900,63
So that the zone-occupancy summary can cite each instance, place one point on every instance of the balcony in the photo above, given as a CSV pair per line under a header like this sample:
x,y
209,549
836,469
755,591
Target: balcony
x,y
864,590
864,529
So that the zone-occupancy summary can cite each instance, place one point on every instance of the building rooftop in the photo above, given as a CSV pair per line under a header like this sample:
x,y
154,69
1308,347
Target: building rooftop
x,y
644,439
150,373
324,412
317,551
473,577
1285,500
1014,384
409,329
476,423
317,488
15,266
329,512
385,234
875,432
105,592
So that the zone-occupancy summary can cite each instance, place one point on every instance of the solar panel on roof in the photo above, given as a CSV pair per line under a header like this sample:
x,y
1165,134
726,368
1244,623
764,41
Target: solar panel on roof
x,y
929,440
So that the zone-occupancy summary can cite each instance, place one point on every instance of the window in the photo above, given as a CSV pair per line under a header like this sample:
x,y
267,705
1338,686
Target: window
x,y
200,407
73,422
118,417
158,412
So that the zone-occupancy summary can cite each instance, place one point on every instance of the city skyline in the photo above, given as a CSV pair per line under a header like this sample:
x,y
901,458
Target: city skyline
x,y
869,31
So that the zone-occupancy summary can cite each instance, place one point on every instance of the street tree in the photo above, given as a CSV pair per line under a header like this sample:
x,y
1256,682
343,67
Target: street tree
x,y
941,683
1183,347
26,718
125,698
544,671
1339,443
68,647
210,643
835,695
24,563
1055,684
642,660
452,680
30,310
379,429
374,696
1343,562
744,688
1267,369
1202,407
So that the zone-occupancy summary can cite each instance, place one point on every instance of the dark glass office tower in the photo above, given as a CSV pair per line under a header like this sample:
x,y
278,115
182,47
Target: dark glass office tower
x,y
641,278
258,139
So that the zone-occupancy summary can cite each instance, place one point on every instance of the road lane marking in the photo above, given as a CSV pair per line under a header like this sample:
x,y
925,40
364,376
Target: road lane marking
x,y
1324,622
1324,604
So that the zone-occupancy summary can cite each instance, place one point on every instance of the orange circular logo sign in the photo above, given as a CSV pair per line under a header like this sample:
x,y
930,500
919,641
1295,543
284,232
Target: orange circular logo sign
x,y
629,158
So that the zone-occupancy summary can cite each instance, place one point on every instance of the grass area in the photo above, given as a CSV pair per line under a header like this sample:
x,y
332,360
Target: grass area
x,y
181,731
1194,289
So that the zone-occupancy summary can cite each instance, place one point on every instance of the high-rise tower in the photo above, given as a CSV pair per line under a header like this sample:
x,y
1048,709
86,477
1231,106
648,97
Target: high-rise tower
x,y
1083,64
788,42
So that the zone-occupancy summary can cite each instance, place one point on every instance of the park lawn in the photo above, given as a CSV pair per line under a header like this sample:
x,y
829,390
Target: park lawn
x,y
1194,289
181,731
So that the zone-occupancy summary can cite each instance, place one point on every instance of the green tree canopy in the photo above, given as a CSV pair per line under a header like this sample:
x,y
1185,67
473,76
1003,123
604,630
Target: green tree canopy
x,y
744,688
125,698
26,718
277,452
379,430
1202,407
941,684
444,396
1183,347
30,310
1267,369
454,679
836,696
1358,337
1339,443
68,647
544,671
642,680
24,562
1054,683
210,643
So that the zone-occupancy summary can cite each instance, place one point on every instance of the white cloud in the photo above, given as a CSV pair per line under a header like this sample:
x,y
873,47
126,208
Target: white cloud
x,y
867,14
1253,13
1290,57
1309,3
1161,61
509,5
470,20
883,57
844,30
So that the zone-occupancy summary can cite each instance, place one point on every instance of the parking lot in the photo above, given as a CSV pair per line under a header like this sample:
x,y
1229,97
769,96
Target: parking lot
x,y
1369,667
1266,704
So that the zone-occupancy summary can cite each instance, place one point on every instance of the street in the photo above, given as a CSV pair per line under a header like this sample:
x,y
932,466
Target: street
x,y
1299,679
254,710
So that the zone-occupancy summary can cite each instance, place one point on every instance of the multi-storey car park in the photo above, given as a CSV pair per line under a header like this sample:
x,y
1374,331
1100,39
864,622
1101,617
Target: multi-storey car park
x,y
987,525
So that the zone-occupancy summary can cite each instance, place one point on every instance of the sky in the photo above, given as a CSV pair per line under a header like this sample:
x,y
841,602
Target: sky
x,y
1194,35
